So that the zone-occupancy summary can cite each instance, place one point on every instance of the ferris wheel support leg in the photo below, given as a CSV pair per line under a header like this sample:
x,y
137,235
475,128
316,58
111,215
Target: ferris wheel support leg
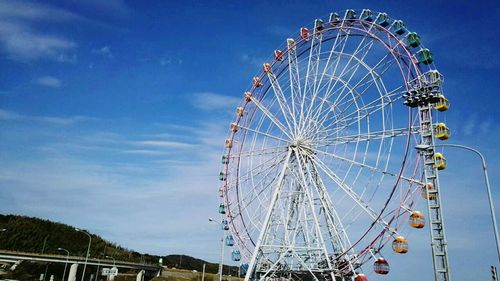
x,y
316,221
436,223
279,185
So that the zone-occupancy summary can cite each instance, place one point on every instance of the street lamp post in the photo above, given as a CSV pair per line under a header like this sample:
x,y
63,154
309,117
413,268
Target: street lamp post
x,y
114,260
221,251
423,147
65,264
88,251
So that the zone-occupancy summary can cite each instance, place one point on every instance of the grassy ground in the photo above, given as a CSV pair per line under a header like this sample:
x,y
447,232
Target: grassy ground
x,y
186,275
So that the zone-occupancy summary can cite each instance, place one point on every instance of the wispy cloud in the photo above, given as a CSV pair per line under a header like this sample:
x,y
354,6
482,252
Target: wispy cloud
x,y
9,115
33,11
164,144
170,61
470,125
51,120
145,152
209,101
21,42
252,60
20,39
104,51
48,81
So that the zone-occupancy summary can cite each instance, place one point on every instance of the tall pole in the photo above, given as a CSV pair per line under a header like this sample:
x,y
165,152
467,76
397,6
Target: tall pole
x,y
114,260
98,265
66,263
221,250
203,274
488,190
221,256
88,251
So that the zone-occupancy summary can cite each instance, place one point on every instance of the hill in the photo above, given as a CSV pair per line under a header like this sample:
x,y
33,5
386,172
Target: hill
x,y
34,235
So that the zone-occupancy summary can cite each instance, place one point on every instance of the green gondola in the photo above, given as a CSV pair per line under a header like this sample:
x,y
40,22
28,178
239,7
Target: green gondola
x,y
413,39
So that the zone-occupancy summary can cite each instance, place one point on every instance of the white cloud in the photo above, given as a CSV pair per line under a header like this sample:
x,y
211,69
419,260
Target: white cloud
x,y
209,101
49,81
252,60
170,61
163,144
34,11
50,120
469,125
145,152
9,115
104,51
20,39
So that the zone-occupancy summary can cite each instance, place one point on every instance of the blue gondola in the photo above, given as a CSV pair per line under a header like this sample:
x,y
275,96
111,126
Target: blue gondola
x,y
222,176
222,208
318,25
229,240
366,15
243,269
382,19
225,159
235,255
334,19
350,15
224,225
425,56
398,27
413,39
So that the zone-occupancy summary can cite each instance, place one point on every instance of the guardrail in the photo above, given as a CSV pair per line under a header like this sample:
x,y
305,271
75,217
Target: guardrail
x,y
15,256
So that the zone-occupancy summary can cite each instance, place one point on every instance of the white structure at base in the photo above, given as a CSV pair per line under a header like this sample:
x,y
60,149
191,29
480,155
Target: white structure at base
x,y
72,272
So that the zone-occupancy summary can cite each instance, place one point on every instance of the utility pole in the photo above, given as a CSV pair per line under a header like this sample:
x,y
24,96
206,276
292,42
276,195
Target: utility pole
x,y
44,242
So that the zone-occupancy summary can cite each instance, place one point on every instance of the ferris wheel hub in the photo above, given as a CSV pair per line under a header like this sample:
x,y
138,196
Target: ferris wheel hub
x,y
303,146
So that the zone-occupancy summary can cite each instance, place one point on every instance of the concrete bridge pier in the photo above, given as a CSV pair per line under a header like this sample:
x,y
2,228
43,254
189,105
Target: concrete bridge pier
x,y
140,276
72,272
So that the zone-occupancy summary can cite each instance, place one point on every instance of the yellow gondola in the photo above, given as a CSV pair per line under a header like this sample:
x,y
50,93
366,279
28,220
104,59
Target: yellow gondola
x,y
428,186
443,104
400,245
439,161
266,67
228,143
239,111
442,132
417,220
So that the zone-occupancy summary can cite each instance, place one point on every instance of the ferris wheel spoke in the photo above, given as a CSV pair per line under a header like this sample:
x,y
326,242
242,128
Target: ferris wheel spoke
x,y
271,116
354,196
281,99
364,84
363,49
372,77
258,152
392,133
368,167
334,224
309,196
261,133
295,84
263,167
343,39
366,110
266,222
311,78
260,186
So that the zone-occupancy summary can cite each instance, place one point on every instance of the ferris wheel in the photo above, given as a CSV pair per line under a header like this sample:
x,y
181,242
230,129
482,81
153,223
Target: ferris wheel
x,y
320,171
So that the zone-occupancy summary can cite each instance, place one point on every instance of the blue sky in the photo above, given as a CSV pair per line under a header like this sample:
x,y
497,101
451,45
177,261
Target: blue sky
x,y
113,114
